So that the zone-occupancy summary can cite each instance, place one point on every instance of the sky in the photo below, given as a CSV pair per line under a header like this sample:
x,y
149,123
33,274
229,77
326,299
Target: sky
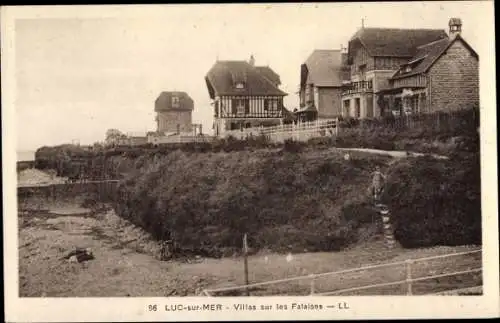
x,y
79,72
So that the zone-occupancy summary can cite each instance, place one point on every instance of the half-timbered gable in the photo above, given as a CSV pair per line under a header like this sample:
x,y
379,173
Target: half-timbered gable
x,y
244,95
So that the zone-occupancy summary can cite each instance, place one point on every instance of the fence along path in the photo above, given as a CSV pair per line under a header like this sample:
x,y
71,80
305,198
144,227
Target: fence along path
x,y
301,131
408,281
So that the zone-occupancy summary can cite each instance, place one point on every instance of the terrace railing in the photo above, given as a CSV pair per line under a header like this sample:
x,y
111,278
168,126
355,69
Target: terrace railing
x,y
409,281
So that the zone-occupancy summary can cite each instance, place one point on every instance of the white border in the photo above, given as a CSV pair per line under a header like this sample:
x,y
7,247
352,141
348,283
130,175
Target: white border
x,y
129,309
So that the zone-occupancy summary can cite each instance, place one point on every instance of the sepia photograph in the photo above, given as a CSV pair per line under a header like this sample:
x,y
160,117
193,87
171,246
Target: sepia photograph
x,y
230,153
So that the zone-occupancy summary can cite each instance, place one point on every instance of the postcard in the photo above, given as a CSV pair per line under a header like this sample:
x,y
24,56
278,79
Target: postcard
x,y
283,161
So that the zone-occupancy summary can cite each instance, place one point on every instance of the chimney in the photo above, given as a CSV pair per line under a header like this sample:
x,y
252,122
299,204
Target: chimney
x,y
455,25
252,60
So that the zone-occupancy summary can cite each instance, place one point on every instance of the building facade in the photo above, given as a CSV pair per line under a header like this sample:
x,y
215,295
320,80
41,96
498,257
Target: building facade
x,y
404,71
174,112
244,96
321,80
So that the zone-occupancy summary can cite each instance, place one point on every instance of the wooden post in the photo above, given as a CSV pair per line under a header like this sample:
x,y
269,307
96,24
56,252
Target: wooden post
x,y
245,255
408,278
312,285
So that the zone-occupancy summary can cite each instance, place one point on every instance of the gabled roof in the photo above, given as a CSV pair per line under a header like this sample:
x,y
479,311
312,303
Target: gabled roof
x,y
427,54
221,77
324,68
164,101
396,42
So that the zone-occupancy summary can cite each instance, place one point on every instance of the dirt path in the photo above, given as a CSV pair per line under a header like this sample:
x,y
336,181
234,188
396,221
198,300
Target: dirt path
x,y
392,153
124,264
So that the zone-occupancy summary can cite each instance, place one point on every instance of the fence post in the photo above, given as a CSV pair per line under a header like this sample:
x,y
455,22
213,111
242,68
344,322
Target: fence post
x,y
245,254
408,278
312,284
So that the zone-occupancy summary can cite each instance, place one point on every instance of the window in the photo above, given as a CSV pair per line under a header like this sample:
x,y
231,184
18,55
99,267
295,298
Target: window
x,y
407,69
175,102
362,70
240,106
240,85
347,104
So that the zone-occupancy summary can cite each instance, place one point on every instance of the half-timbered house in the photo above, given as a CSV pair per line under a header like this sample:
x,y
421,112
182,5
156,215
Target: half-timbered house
x,y
244,95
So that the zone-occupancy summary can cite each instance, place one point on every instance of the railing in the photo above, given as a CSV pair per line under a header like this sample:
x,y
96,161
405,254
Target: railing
x,y
357,87
178,139
408,281
301,131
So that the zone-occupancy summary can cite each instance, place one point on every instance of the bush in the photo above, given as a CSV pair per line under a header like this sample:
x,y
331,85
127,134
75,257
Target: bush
x,y
283,201
293,146
436,202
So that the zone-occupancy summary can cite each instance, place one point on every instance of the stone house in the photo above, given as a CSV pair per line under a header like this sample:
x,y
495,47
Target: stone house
x,y
244,95
174,112
404,71
321,80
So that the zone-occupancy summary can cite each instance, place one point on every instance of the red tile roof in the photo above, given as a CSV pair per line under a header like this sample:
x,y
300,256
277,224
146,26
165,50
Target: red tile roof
x,y
222,76
396,42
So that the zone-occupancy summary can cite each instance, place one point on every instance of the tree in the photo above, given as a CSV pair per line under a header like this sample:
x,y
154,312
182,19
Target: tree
x,y
113,135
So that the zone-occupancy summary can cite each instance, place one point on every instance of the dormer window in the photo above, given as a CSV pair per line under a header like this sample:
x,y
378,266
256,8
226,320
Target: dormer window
x,y
407,69
240,85
175,102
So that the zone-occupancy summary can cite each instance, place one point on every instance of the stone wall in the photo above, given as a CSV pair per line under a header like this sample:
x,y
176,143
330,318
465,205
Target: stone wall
x,y
454,79
168,121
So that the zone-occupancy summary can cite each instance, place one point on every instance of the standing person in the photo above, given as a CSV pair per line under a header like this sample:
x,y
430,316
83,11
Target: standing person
x,y
378,184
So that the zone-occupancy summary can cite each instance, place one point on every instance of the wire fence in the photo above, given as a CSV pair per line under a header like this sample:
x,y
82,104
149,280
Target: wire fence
x,y
408,282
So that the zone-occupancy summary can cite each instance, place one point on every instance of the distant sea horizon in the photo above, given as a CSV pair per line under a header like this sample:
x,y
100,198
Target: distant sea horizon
x,y
25,155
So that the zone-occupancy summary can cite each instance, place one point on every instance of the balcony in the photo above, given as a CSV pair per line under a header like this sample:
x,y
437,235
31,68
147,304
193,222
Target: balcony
x,y
358,87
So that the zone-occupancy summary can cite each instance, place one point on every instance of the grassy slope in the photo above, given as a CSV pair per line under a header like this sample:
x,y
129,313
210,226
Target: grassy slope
x,y
285,201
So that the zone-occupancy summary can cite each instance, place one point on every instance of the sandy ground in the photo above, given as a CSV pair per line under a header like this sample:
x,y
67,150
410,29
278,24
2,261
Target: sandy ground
x,y
125,263
35,177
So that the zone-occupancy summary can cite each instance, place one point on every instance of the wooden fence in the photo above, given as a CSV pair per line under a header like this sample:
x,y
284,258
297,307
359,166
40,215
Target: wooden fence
x,y
301,131
438,122
412,276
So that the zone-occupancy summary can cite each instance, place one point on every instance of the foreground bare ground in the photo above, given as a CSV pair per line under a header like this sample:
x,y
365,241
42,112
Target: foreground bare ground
x,y
125,263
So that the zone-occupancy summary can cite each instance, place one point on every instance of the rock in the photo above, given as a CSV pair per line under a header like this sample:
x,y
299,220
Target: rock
x,y
80,255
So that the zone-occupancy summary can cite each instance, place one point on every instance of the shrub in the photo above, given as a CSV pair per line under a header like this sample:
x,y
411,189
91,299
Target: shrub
x,y
284,201
292,146
436,202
